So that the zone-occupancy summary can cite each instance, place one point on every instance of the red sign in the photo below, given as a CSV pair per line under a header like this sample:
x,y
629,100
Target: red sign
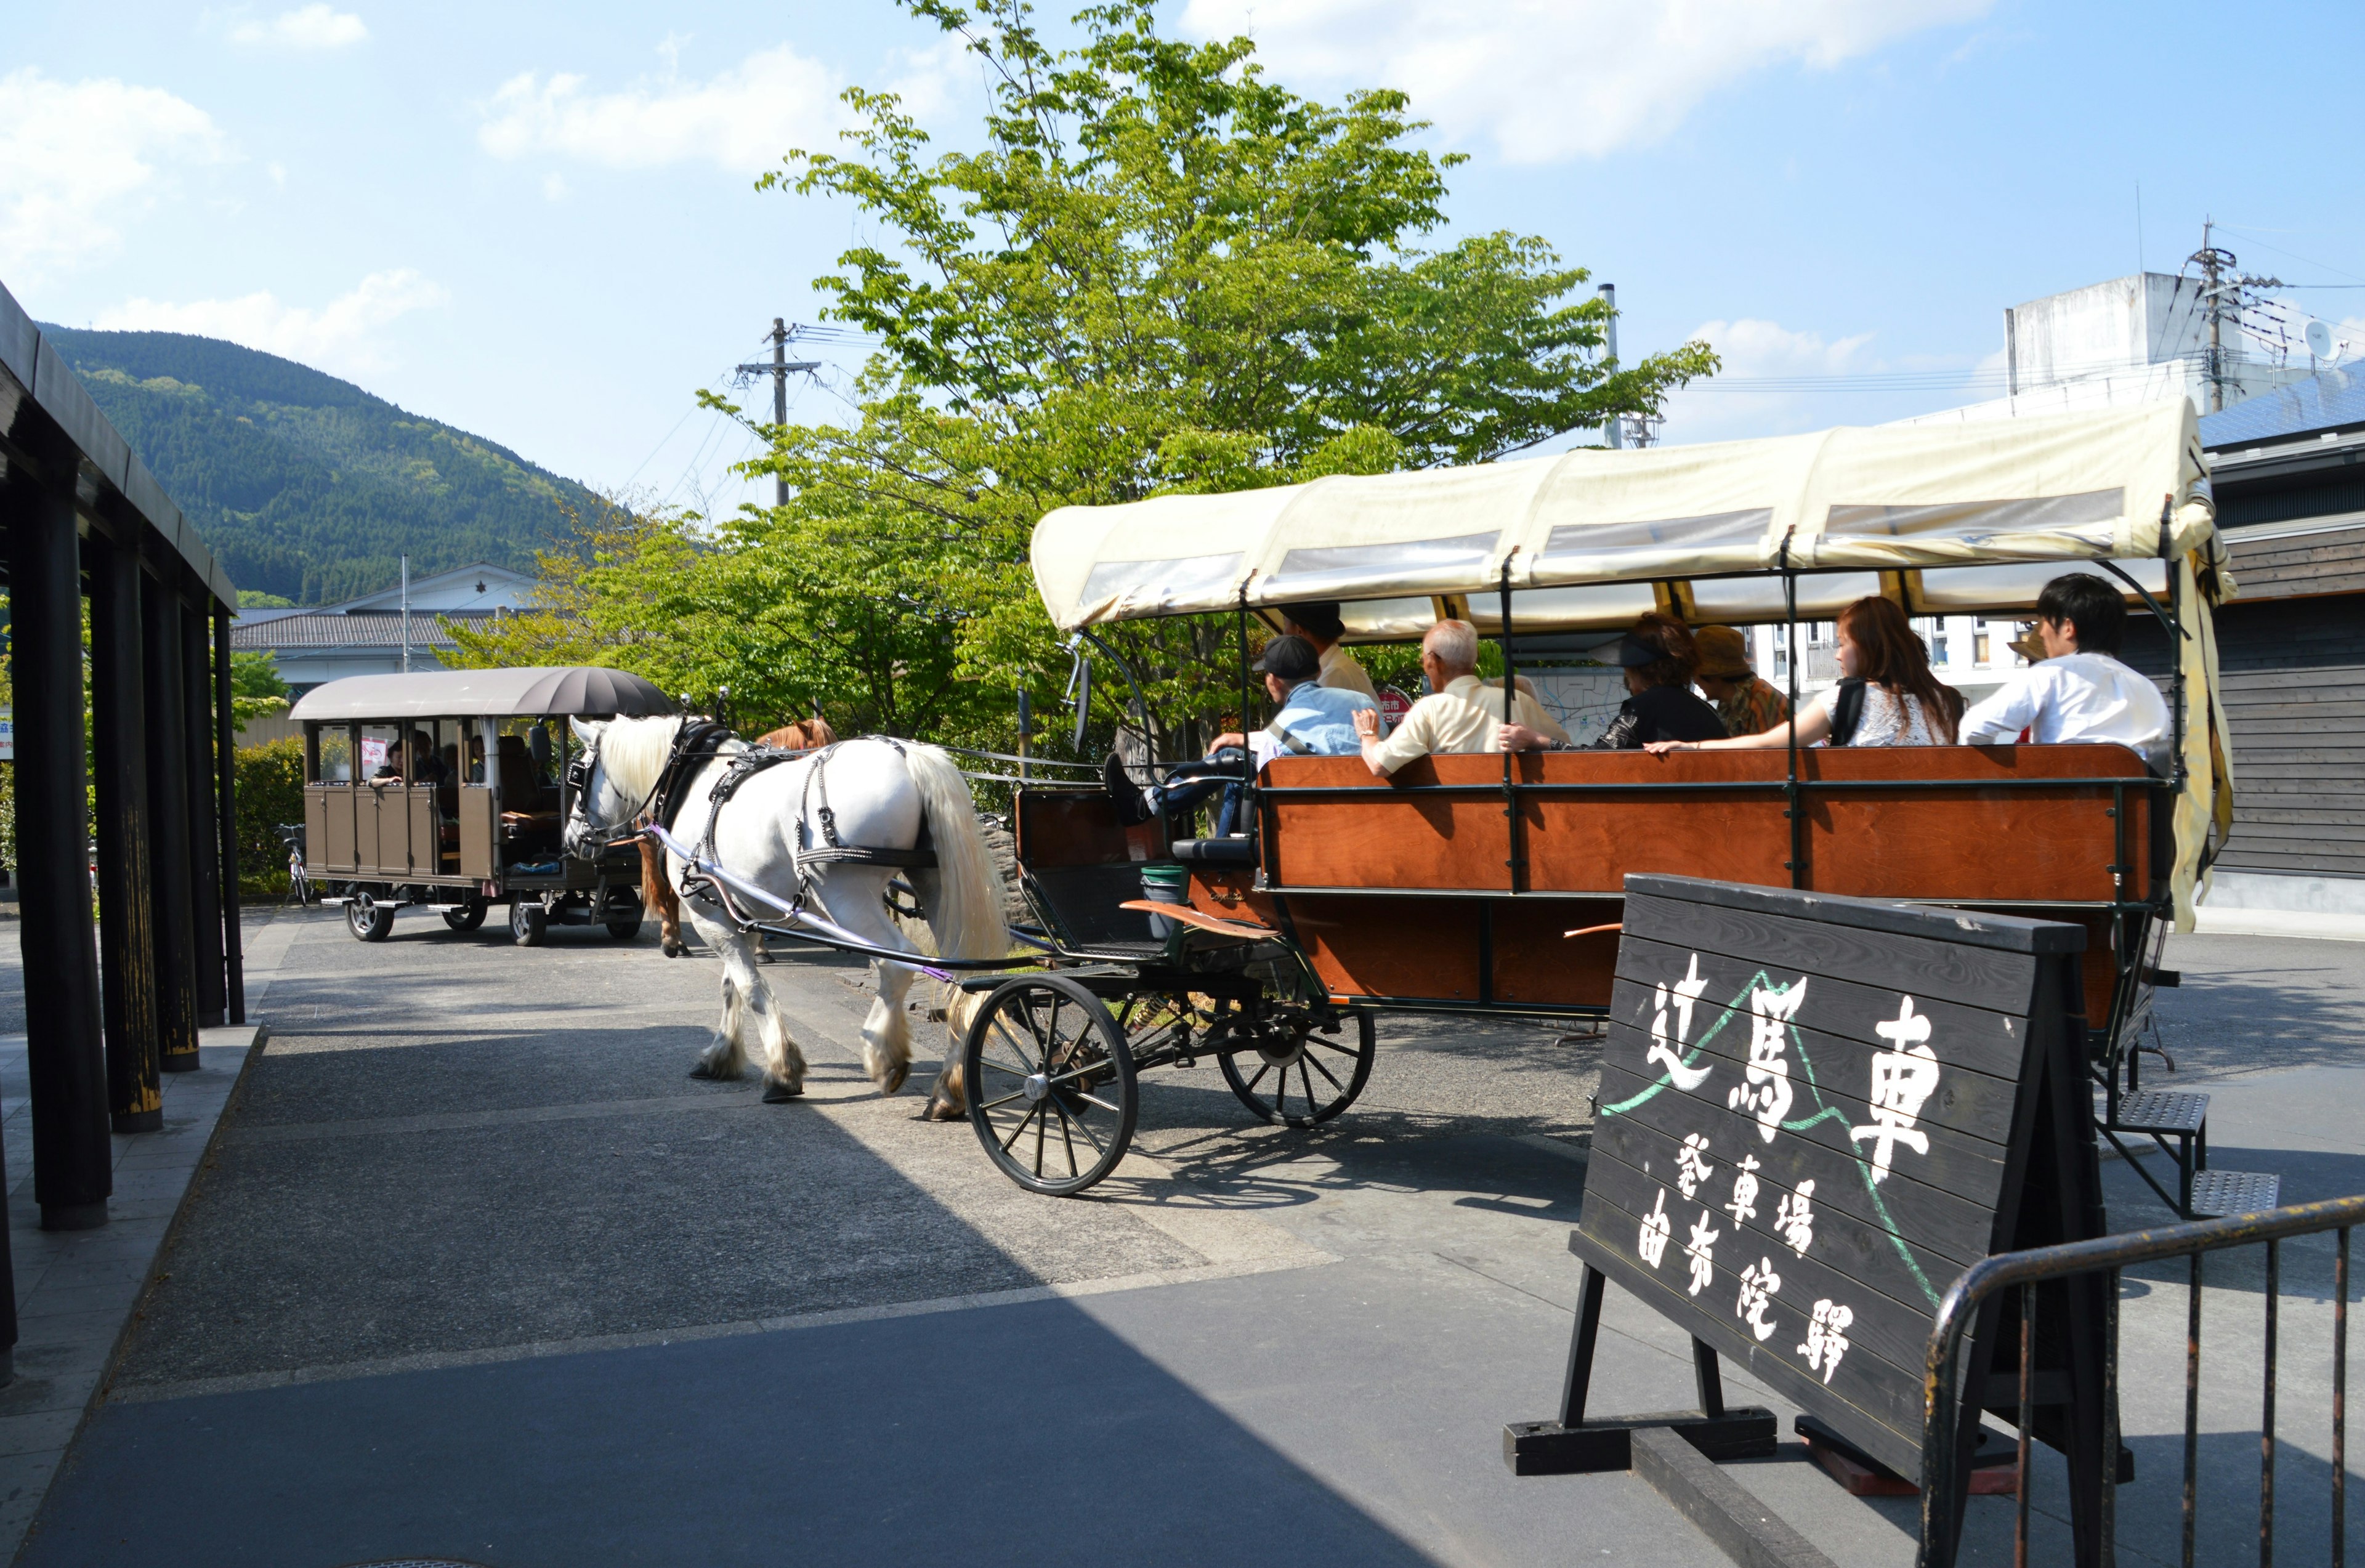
x,y
1394,705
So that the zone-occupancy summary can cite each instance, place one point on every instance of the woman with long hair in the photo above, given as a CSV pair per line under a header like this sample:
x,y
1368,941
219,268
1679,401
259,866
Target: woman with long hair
x,y
1887,694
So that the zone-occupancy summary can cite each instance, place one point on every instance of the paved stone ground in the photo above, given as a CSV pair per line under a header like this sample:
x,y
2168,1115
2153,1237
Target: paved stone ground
x,y
476,1272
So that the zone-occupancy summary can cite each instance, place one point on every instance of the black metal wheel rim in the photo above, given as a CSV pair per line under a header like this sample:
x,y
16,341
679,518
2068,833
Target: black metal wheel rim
x,y
1303,1078
1050,1083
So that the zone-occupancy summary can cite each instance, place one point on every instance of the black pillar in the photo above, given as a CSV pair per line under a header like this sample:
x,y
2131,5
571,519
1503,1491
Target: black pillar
x,y
127,930
168,834
196,718
73,1157
226,802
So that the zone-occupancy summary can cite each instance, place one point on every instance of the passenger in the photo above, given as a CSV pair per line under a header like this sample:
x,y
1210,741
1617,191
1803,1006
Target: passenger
x,y
1319,624
1314,721
2081,691
1747,703
1658,658
426,767
1887,695
1461,712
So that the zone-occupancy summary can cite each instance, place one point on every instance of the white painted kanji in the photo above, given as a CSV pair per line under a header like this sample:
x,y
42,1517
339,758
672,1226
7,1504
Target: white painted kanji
x,y
1692,1166
1758,1284
1668,1050
1743,1204
1766,1095
1652,1243
1794,1218
1826,1337
1700,1252
1902,1080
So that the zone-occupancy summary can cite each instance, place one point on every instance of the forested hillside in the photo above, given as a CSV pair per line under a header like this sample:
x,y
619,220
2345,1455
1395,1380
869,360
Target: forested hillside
x,y
304,485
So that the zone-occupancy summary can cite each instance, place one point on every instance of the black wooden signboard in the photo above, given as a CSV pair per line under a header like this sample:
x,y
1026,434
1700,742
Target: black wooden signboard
x,y
1815,1113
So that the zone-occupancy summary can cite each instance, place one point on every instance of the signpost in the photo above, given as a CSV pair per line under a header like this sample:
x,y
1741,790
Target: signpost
x,y
1815,1113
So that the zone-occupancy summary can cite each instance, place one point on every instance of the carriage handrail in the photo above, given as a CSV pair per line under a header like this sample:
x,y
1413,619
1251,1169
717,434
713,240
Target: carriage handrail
x,y
1942,1487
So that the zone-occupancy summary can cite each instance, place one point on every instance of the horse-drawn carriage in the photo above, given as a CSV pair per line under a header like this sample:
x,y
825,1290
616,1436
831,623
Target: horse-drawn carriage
x,y
1495,883
447,789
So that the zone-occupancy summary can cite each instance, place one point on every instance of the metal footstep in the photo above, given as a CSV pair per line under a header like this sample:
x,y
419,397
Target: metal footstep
x,y
2216,1194
2165,1110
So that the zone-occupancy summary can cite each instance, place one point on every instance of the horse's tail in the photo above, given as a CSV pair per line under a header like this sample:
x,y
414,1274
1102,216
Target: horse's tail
x,y
967,916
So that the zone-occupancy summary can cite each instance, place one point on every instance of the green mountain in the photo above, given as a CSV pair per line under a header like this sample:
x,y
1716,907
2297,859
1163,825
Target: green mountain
x,y
304,485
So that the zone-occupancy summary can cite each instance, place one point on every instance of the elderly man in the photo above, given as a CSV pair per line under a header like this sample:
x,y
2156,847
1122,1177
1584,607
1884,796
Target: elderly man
x,y
1318,621
1461,714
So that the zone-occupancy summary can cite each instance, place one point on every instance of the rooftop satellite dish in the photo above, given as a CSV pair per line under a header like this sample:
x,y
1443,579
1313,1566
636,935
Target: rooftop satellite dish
x,y
2320,343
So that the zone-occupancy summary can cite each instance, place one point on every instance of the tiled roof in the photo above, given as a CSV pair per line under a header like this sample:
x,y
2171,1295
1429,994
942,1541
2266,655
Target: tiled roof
x,y
366,630
2330,400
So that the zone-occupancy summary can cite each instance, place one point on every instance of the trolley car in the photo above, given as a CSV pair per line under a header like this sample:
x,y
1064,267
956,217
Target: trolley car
x,y
1494,883
446,790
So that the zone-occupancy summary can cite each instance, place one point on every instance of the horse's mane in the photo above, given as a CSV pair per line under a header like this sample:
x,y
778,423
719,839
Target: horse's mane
x,y
633,751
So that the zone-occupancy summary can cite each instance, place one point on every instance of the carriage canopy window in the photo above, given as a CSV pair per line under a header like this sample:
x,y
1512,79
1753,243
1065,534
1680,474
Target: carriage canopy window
x,y
1145,587
1593,539
1310,573
1823,594
1974,522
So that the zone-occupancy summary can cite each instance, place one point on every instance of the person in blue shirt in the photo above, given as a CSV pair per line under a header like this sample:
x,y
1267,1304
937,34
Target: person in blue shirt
x,y
1314,720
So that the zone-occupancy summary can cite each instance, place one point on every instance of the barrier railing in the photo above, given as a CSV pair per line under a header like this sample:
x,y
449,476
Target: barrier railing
x,y
1942,1486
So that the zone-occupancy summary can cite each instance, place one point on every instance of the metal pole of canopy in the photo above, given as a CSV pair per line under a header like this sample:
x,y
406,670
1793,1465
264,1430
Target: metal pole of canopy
x,y
1518,867
127,931
1792,808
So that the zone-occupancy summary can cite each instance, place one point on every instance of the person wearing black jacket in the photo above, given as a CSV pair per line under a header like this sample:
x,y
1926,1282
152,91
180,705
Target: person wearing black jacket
x,y
1658,658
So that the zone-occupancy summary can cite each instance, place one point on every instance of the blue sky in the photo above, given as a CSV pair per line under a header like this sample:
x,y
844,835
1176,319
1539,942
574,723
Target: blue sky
x,y
535,221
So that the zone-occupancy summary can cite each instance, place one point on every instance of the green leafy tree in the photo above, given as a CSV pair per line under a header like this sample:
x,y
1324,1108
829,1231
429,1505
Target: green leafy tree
x,y
255,687
1160,272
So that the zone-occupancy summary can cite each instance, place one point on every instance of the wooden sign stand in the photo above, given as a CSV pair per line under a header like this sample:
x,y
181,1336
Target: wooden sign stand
x,y
1857,1100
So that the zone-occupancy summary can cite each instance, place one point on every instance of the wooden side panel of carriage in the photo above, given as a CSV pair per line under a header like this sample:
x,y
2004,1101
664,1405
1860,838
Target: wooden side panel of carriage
x,y
2040,851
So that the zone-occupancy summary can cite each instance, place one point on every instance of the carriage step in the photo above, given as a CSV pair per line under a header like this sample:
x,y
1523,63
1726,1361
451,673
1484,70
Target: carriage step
x,y
2216,1194
2164,1111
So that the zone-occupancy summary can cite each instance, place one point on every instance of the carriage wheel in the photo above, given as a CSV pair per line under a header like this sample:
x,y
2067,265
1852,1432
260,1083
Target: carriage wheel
x,y
1302,1075
465,917
529,922
1050,1083
368,919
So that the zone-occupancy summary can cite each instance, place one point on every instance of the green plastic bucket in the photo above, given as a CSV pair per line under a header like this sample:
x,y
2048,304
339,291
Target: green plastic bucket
x,y
1163,881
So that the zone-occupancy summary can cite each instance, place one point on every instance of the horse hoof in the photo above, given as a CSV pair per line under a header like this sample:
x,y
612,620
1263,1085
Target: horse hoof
x,y
779,1093
940,1112
676,949
895,1078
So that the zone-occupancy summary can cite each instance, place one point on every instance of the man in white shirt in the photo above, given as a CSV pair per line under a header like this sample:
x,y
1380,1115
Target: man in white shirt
x,y
2081,691
1461,714
1319,624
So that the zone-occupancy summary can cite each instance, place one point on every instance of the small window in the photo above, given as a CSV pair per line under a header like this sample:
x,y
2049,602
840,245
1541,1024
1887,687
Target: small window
x,y
1983,644
336,754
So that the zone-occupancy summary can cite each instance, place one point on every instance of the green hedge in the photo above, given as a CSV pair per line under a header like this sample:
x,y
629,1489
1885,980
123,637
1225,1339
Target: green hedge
x,y
269,791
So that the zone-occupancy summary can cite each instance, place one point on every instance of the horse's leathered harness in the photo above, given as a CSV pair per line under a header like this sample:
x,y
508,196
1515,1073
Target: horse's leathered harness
x,y
699,742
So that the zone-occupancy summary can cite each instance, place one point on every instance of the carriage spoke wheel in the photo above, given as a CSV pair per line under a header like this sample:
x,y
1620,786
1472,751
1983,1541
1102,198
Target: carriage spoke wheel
x,y
1050,1084
1299,1075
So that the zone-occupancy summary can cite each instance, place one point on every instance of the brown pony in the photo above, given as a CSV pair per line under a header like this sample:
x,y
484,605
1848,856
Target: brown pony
x,y
656,894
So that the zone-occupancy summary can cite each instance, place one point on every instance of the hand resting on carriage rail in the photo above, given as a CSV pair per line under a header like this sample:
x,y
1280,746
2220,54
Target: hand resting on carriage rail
x,y
1461,712
1314,722
1887,694
1658,659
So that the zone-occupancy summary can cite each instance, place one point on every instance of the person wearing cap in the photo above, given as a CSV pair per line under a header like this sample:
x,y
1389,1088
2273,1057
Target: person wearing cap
x,y
1658,658
1314,721
1318,621
2081,691
1748,704
1462,712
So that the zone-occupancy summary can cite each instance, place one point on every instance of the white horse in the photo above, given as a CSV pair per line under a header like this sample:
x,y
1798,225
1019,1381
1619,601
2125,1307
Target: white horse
x,y
881,796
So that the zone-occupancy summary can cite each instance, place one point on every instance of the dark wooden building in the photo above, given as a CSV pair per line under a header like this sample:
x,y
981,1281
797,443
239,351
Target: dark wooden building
x,y
2288,468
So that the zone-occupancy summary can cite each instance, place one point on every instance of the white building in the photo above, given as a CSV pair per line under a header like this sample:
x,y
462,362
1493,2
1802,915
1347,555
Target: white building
x,y
367,635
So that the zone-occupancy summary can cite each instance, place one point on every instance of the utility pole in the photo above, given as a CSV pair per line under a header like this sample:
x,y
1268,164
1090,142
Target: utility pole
x,y
1615,426
779,370
2225,292
406,615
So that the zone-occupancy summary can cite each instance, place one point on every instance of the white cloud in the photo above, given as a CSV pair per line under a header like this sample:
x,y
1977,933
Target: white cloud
x,y
1552,79
1725,407
743,120
77,158
344,334
307,26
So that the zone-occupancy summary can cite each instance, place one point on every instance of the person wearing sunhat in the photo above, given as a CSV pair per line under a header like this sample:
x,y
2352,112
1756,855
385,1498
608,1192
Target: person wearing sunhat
x,y
1658,658
1314,719
1749,704
1318,621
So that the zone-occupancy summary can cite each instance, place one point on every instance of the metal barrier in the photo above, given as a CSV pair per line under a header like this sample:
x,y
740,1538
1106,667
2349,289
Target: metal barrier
x,y
1942,1484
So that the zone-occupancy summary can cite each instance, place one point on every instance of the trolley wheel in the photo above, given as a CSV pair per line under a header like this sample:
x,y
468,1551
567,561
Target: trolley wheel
x,y
368,919
625,928
1329,1072
529,923
467,917
1050,1083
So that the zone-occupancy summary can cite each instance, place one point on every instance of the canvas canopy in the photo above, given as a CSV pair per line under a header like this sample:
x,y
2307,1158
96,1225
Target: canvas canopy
x,y
578,690
1972,516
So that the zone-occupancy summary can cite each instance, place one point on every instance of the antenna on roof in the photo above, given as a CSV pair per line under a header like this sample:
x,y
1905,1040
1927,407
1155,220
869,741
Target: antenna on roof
x,y
2321,345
